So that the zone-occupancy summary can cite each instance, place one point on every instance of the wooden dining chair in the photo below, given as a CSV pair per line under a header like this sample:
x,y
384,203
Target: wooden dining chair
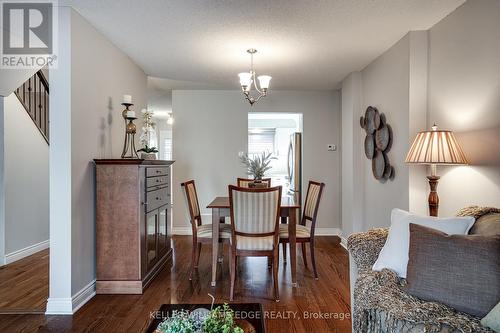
x,y
202,233
244,182
305,232
255,227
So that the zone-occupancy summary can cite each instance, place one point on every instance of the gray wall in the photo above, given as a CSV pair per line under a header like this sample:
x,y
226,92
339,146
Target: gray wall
x,y
211,128
386,87
450,75
464,96
26,179
86,92
384,84
2,185
101,74
353,158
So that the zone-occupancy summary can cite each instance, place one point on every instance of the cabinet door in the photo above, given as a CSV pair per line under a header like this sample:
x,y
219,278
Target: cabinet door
x,y
151,230
163,229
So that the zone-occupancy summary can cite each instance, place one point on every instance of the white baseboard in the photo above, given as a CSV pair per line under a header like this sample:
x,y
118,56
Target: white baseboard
x,y
188,230
68,306
343,242
27,251
83,296
328,232
59,306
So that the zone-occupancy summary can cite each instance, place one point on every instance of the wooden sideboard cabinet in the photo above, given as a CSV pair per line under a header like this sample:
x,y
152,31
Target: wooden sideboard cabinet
x,y
132,223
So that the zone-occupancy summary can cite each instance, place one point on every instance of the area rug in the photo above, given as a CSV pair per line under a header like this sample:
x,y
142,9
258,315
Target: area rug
x,y
248,316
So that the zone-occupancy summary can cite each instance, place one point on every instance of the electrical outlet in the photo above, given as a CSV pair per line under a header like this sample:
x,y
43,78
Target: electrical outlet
x,y
332,147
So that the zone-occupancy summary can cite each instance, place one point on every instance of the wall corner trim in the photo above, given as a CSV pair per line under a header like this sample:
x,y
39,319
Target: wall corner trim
x,y
27,251
68,306
343,242
83,296
59,306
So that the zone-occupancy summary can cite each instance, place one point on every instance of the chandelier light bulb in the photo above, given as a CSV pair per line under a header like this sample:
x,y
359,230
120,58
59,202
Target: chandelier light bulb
x,y
170,119
245,79
264,81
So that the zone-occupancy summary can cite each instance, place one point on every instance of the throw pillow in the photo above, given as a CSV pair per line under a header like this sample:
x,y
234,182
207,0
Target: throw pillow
x,y
492,319
394,254
486,225
461,271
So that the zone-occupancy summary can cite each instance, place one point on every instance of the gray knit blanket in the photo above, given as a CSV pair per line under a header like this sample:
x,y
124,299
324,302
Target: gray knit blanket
x,y
380,303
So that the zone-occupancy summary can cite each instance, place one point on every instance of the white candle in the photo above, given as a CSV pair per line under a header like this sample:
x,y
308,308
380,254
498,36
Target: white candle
x,y
130,114
127,99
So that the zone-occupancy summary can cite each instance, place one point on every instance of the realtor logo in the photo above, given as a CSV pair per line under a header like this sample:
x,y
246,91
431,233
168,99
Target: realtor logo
x,y
28,33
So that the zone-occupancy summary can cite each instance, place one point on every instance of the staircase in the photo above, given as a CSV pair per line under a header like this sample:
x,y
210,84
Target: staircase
x,y
34,96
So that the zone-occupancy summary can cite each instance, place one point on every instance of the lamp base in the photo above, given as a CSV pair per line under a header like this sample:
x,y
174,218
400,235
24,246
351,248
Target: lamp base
x,y
433,196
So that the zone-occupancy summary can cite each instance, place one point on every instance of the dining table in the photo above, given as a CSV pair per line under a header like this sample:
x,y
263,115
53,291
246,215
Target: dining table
x,y
290,208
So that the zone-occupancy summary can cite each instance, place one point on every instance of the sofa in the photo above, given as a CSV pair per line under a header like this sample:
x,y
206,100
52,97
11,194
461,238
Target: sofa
x,y
379,301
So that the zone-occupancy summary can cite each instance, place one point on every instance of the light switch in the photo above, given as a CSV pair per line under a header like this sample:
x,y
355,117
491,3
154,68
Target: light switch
x,y
332,147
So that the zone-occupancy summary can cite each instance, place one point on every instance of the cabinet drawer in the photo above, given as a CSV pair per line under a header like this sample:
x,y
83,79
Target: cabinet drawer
x,y
157,181
156,171
155,199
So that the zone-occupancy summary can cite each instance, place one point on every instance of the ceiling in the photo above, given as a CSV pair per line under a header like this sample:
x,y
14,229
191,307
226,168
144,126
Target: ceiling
x,y
303,44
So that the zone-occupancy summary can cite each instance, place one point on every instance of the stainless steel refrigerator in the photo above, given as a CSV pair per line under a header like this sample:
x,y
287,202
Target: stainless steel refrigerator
x,y
295,165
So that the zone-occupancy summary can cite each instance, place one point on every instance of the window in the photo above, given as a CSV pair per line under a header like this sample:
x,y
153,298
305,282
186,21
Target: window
x,y
261,140
166,145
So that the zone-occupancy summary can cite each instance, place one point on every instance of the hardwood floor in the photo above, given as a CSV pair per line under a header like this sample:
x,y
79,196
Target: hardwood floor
x,y
131,313
24,284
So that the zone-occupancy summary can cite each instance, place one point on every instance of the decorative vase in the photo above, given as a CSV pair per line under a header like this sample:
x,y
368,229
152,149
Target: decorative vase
x,y
148,156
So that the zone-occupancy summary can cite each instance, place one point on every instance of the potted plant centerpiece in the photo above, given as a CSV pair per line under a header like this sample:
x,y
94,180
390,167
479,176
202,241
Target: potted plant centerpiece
x,y
148,131
148,153
219,320
257,167
202,320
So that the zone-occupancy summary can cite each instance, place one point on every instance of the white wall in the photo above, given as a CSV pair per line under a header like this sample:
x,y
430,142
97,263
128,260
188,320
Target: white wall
x,y
26,181
211,128
91,79
464,96
11,79
159,100
60,300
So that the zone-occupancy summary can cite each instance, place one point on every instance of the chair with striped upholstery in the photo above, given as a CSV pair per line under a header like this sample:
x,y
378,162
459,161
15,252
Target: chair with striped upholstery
x,y
202,233
305,233
255,227
244,182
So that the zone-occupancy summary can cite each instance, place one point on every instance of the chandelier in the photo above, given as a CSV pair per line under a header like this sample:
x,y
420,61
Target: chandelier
x,y
247,79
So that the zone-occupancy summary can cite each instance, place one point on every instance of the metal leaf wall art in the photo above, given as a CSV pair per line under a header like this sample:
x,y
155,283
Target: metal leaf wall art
x,y
378,143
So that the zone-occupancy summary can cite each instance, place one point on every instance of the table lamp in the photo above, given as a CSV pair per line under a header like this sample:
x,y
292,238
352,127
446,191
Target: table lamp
x,y
435,147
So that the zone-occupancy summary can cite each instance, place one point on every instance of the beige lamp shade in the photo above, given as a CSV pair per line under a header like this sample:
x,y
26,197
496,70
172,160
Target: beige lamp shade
x,y
436,147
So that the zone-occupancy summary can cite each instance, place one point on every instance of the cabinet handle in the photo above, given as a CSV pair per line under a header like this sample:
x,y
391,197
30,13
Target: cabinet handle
x,y
157,180
158,198
144,203
158,171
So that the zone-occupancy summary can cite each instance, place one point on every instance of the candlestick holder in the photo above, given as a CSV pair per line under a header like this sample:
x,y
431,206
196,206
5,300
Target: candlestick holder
x,y
129,150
